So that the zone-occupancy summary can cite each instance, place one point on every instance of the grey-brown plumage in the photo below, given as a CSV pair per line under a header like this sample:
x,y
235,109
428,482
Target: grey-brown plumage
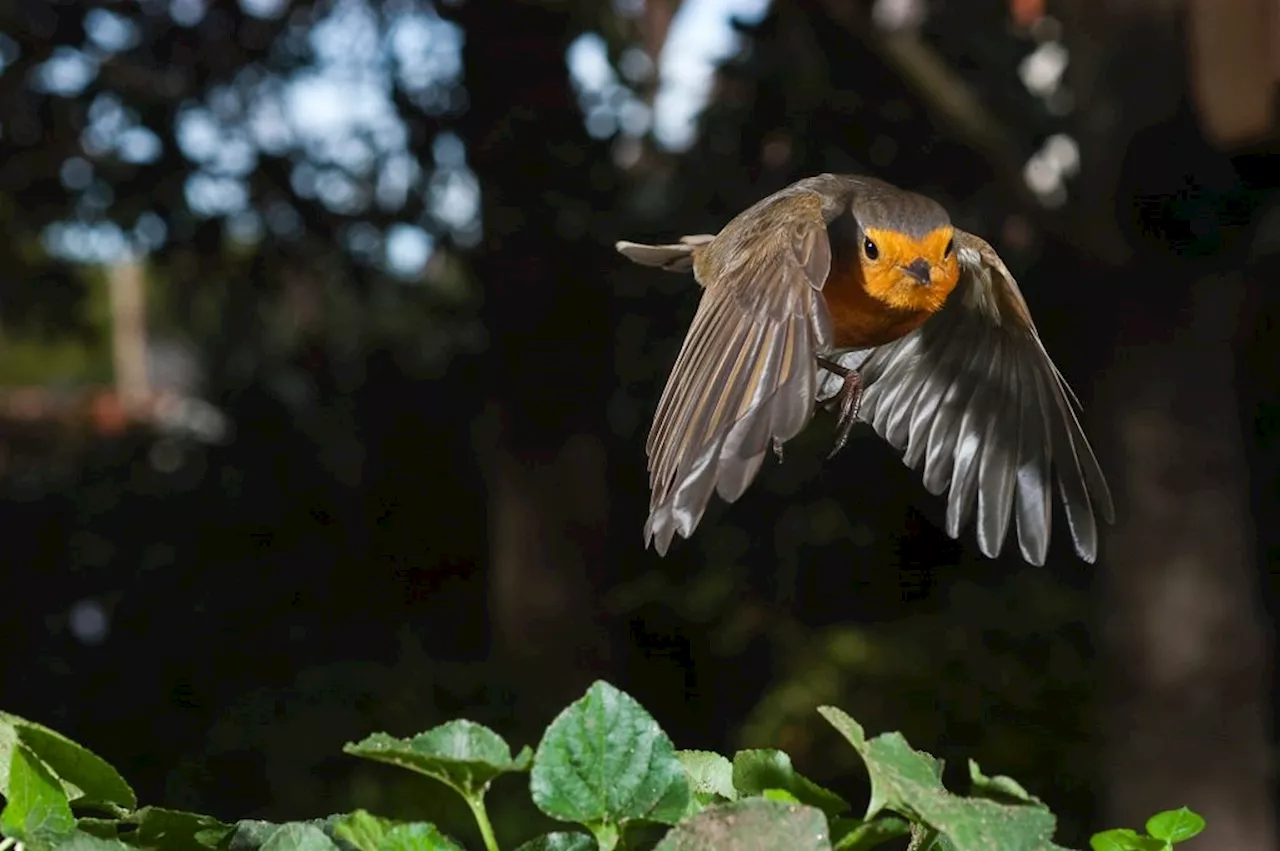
x,y
970,395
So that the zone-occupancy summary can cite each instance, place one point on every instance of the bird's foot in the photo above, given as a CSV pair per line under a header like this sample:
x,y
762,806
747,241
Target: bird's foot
x,y
777,449
850,401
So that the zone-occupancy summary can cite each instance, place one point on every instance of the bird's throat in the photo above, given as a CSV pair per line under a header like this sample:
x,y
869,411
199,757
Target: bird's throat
x,y
863,316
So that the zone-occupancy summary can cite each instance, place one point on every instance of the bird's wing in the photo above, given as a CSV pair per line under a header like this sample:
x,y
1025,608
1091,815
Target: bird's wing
x,y
677,257
973,396
745,375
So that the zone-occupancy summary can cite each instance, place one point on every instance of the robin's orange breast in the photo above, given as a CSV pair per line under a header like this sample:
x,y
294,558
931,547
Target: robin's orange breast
x,y
858,318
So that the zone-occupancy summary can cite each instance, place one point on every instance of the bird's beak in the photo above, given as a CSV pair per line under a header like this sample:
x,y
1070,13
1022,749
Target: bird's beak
x,y
919,269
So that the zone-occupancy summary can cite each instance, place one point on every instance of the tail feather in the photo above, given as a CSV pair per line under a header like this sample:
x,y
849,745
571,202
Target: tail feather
x,y
677,257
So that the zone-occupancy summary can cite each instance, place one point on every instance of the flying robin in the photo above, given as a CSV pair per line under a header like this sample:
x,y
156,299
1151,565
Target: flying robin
x,y
847,290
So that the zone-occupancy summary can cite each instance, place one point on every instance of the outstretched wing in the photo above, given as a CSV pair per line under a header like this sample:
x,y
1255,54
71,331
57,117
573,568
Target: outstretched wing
x,y
745,375
973,397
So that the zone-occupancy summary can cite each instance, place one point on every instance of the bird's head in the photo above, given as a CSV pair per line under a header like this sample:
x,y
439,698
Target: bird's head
x,y
907,250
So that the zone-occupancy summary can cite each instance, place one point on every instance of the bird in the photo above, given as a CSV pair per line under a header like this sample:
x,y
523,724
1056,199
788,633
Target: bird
x,y
848,292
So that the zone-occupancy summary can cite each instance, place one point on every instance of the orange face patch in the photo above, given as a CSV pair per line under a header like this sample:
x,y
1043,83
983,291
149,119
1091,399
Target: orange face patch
x,y
887,281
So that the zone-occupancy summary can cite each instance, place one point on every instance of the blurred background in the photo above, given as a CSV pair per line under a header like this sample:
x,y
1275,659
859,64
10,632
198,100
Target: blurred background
x,y
323,394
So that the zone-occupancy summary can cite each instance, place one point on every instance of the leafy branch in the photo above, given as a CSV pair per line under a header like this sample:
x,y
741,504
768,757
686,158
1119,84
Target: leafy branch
x,y
604,765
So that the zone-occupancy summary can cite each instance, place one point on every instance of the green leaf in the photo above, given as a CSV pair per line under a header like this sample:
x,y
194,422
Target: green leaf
x,y
710,775
89,780
1175,825
362,829
604,760
1124,839
934,841
156,827
560,841
754,771
298,836
81,841
909,783
753,824
252,834
606,833
780,795
36,813
417,836
895,767
103,828
368,832
462,754
999,787
858,835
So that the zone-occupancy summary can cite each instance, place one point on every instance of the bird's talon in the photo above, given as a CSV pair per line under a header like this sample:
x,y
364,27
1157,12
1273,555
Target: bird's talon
x,y
850,397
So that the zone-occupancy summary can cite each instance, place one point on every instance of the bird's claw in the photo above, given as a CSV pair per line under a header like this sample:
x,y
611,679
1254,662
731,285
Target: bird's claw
x,y
850,399
777,449
850,403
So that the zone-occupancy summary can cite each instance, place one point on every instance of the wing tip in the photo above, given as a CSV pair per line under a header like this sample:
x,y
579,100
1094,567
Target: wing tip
x,y
1034,535
1107,509
676,257
1086,546
660,530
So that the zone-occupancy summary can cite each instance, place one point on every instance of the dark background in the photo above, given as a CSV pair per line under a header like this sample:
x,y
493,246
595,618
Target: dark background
x,y
416,486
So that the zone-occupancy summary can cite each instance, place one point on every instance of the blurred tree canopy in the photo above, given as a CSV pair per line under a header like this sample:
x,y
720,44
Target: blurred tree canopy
x,y
385,230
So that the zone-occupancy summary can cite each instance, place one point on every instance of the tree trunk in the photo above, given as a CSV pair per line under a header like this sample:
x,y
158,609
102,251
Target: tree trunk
x,y
1185,712
550,355
1186,720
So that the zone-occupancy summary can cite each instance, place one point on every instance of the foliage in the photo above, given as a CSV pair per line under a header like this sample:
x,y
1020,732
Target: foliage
x,y
1019,644
1163,831
604,764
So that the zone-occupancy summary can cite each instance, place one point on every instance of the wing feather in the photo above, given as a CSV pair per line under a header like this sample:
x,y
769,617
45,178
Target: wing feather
x,y
973,398
745,374
998,465
1034,504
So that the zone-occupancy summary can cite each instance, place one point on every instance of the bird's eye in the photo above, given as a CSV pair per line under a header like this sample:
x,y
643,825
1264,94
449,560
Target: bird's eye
x,y
951,246
870,247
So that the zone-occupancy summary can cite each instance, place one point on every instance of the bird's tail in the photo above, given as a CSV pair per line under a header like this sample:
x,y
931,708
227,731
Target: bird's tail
x,y
677,257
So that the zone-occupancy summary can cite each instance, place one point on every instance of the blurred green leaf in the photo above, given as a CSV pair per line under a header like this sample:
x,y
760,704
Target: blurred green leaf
x,y
152,827
753,824
780,795
417,836
560,841
81,841
368,832
362,829
754,771
36,812
1124,839
710,776
298,836
859,835
604,761
252,834
1175,825
999,787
